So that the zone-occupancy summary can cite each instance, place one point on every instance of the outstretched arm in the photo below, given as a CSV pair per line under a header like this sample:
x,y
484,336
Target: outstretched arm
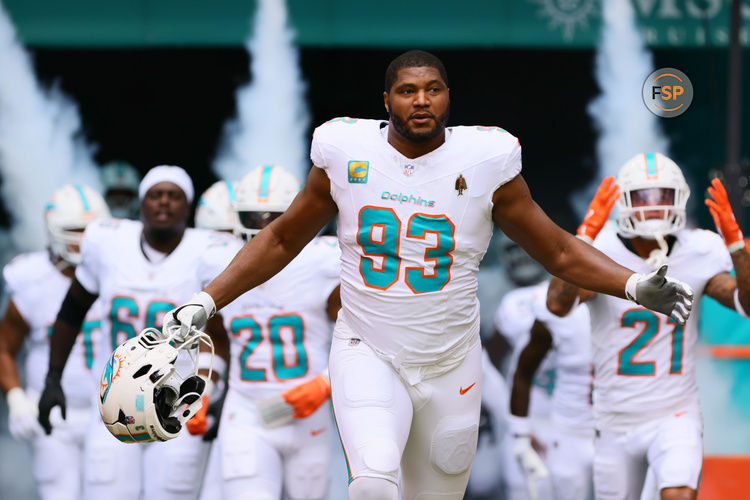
x,y
579,263
276,245
562,254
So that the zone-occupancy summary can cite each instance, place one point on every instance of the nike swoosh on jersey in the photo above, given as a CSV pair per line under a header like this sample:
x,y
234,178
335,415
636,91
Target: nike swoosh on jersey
x,y
464,391
315,432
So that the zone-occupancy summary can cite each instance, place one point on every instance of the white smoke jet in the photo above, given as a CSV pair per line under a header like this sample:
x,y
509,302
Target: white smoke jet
x,y
41,147
272,115
624,125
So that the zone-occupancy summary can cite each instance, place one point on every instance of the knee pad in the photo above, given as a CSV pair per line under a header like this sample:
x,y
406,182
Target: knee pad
x,y
307,478
184,469
382,457
239,458
101,465
454,445
372,488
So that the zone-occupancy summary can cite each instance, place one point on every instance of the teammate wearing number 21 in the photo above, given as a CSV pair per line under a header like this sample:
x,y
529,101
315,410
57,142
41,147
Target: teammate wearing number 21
x,y
645,396
405,365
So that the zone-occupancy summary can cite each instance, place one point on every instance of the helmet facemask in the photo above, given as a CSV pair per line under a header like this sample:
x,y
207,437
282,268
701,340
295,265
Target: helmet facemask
x,y
142,396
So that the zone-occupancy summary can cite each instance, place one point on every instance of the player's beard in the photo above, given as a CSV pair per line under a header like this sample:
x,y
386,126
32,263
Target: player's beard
x,y
399,126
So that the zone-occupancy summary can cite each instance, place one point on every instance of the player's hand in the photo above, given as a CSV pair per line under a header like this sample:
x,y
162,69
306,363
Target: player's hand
x,y
23,415
52,396
307,397
531,463
723,216
194,314
660,293
198,425
599,208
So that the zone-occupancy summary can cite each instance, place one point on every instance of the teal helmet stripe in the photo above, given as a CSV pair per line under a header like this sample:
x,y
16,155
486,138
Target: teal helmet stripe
x,y
230,189
650,165
264,180
83,197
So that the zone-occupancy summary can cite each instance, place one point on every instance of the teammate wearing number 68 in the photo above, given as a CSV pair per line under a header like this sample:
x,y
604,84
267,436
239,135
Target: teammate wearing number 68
x,y
416,202
645,396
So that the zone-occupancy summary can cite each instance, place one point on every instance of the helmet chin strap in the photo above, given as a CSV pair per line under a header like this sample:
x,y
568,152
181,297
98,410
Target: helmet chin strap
x,y
658,256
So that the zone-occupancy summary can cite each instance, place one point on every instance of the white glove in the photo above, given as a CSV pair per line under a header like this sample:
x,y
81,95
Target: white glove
x,y
531,463
194,314
660,293
23,415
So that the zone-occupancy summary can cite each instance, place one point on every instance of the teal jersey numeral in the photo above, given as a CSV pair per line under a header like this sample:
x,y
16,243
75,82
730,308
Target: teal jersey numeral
x,y
276,325
440,256
300,367
87,330
379,237
650,329
119,326
130,328
236,327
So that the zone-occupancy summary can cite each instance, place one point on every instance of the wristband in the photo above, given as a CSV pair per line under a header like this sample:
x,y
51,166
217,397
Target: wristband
x,y
519,426
737,245
585,238
630,286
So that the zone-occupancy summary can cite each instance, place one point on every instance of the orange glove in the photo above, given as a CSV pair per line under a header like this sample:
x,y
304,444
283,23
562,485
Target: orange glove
x,y
306,398
599,208
198,425
721,211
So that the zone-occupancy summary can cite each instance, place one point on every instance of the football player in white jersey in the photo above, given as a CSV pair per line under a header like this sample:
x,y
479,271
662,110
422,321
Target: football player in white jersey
x,y
645,397
139,270
416,202
570,452
37,283
275,433
513,321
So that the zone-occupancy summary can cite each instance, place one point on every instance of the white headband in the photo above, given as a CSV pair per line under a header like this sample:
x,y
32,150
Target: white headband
x,y
167,173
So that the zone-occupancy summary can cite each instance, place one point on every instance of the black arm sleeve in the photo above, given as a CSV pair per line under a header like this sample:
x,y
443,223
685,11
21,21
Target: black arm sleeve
x,y
76,304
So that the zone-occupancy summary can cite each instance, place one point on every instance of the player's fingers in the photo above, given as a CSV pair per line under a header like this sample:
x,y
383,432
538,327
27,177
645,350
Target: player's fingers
x,y
718,186
605,185
44,419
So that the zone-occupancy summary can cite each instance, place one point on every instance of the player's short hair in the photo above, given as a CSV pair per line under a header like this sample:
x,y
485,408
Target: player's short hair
x,y
413,59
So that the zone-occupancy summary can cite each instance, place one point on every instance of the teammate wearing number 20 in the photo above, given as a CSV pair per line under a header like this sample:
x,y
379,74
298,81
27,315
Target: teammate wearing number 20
x,y
416,202
645,395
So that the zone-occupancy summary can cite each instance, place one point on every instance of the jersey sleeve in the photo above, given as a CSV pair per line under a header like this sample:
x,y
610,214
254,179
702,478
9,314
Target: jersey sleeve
x,y
316,155
511,165
88,272
719,260
15,275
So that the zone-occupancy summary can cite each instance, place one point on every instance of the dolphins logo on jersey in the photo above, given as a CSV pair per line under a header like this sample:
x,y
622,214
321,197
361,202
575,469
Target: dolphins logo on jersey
x,y
111,372
461,184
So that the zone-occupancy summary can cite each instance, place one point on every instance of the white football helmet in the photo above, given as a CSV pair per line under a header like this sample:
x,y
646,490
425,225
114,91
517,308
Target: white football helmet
x,y
214,210
653,197
142,397
66,215
121,181
262,195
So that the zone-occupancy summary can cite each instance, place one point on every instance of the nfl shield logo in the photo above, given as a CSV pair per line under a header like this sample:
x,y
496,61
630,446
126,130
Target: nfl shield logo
x,y
408,170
